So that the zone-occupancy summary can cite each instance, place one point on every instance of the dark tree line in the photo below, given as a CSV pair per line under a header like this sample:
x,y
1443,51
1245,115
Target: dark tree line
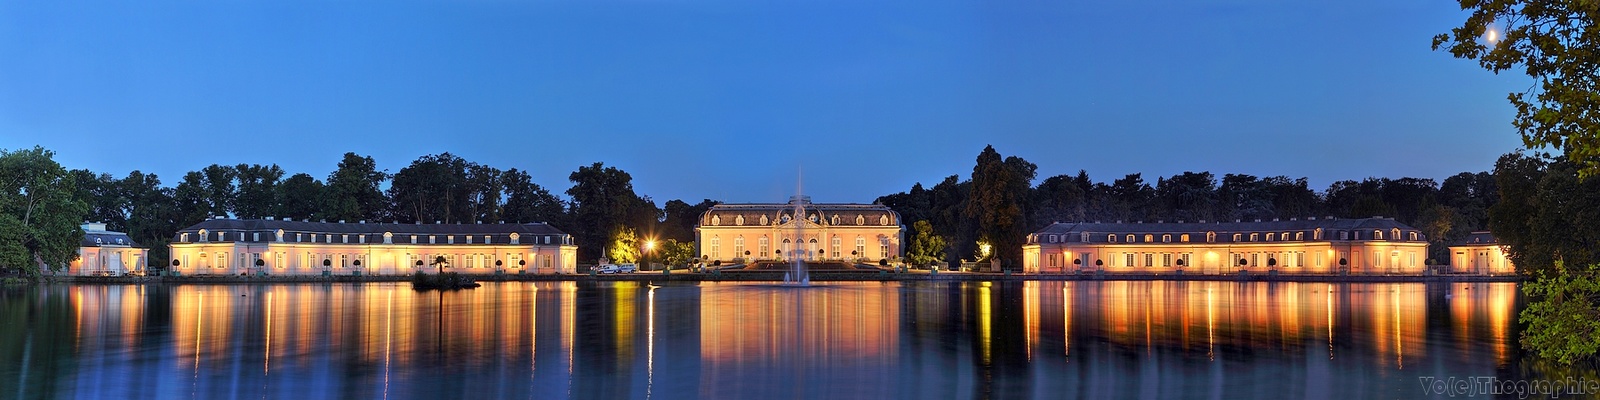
x,y
434,188
999,205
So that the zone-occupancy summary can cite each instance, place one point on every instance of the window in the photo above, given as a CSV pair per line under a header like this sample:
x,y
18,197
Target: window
x,y
1255,237
1111,238
883,247
1167,239
1377,235
1317,234
469,239
1130,239
861,220
836,243
1184,238
1298,236
488,239
861,246
1377,258
1052,259
1284,236
834,221
716,247
1211,237
516,238
738,246
1300,259
1127,259
764,220
278,260
883,220
1344,235
716,220
1166,259
413,239
204,237
1236,237
255,236
1318,259
1270,236
738,220
1413,236
1185,259
764,248
1395,233
388,237
1148,238
1086,237
1052,238
1148,258
1255,259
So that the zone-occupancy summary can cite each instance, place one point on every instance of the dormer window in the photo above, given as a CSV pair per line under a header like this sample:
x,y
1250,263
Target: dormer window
x,y
738,220
1413,236
1255,237
279,235
1148,238
1238,237
183,237
1166,238
1184,238
716,220
813,218
834,220
515,238
388,237
1377,235
1086,237
1211,237
1299,236
1396,232
1131,239
1111,238
764,220
1270,236
861,220
883,219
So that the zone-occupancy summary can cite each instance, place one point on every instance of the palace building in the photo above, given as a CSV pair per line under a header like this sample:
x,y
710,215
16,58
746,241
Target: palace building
x,y
1480,253
1320,246
285,247
812,231
106,253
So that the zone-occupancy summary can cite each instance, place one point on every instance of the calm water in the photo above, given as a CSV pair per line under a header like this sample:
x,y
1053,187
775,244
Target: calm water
x,y
741,340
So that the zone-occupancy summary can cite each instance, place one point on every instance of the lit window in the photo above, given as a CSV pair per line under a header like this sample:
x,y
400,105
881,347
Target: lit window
x,y
1167,239
1111,238
1269,236
1184,238
1130,239
1149,238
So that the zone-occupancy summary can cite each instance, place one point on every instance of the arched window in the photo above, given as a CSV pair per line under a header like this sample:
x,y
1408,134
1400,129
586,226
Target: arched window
x,y
1237,237
1413,236
764,220
204,238
716,220
1148,238
388,237
883,219
738,246
739,220
1377,235
834,220
1255,237
1184,238
1211,237
1131,239
1112,238
861,219
813,218
1299,236
1316,234
1396,233
1166,238
1270,236
279,235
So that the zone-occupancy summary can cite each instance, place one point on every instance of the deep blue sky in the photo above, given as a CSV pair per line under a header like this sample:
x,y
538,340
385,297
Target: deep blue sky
x,y
727,99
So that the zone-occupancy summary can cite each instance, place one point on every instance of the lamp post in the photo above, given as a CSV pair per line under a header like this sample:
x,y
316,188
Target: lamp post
x,y
649,247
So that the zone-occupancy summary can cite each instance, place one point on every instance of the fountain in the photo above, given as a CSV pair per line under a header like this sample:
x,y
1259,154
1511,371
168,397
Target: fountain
x,y
797,273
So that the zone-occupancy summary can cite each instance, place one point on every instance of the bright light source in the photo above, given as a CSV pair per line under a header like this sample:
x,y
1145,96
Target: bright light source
x,y
1492,35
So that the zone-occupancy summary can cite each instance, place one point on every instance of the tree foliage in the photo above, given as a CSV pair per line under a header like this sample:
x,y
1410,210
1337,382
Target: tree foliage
x,y
1563,316
603,202
1554,42
675,253
39,212
998,203
352,192
623,246
926,247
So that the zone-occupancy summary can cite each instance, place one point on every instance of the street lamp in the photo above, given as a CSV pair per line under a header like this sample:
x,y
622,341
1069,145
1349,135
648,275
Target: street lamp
x,y
649,247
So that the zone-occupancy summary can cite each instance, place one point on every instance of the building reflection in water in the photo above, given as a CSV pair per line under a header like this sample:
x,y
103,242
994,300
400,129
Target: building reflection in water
x,y
741,340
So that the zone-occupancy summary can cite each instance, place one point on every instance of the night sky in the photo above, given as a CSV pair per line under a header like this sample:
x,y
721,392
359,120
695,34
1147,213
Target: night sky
x,y
728,100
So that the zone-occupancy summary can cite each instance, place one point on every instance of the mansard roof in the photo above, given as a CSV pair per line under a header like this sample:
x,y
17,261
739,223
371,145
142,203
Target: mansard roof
x,y
271,226
106,239
1477,238
1072,231
728,214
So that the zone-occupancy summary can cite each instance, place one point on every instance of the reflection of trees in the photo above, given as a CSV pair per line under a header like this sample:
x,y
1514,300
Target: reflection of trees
x,y
36,342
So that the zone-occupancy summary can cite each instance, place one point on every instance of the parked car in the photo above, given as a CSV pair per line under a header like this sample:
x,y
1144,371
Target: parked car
x,y
627,268
607,269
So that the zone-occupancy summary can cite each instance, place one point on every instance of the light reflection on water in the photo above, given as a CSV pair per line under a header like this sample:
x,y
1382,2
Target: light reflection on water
x,y
743,340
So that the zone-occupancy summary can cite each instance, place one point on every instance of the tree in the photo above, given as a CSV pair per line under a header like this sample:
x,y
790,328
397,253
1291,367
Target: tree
x,y
1189,196
603,201
299,197
1553,42
39,213
150,210
189,198
681,217
675,253
997,202
529,202
926,247
219,189
432,188
257,195
104,197
623,245
352,192
484,188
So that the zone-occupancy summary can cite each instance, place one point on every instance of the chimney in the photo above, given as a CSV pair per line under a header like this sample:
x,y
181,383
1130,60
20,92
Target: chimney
x,y
1330,217
1311,218
1258,219
1274,220
272,218
1294,218
1202,221
363,221
1237,220
436,222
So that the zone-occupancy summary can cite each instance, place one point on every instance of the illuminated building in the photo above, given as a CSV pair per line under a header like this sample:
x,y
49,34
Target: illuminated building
x,y
827,231
1328,245
1480,253
104,252
285,247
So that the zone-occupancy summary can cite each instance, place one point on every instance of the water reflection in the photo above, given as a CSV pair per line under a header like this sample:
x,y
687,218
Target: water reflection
x,y
739,340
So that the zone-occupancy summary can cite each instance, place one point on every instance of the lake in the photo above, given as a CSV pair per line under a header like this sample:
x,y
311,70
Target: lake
x,y
957,340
